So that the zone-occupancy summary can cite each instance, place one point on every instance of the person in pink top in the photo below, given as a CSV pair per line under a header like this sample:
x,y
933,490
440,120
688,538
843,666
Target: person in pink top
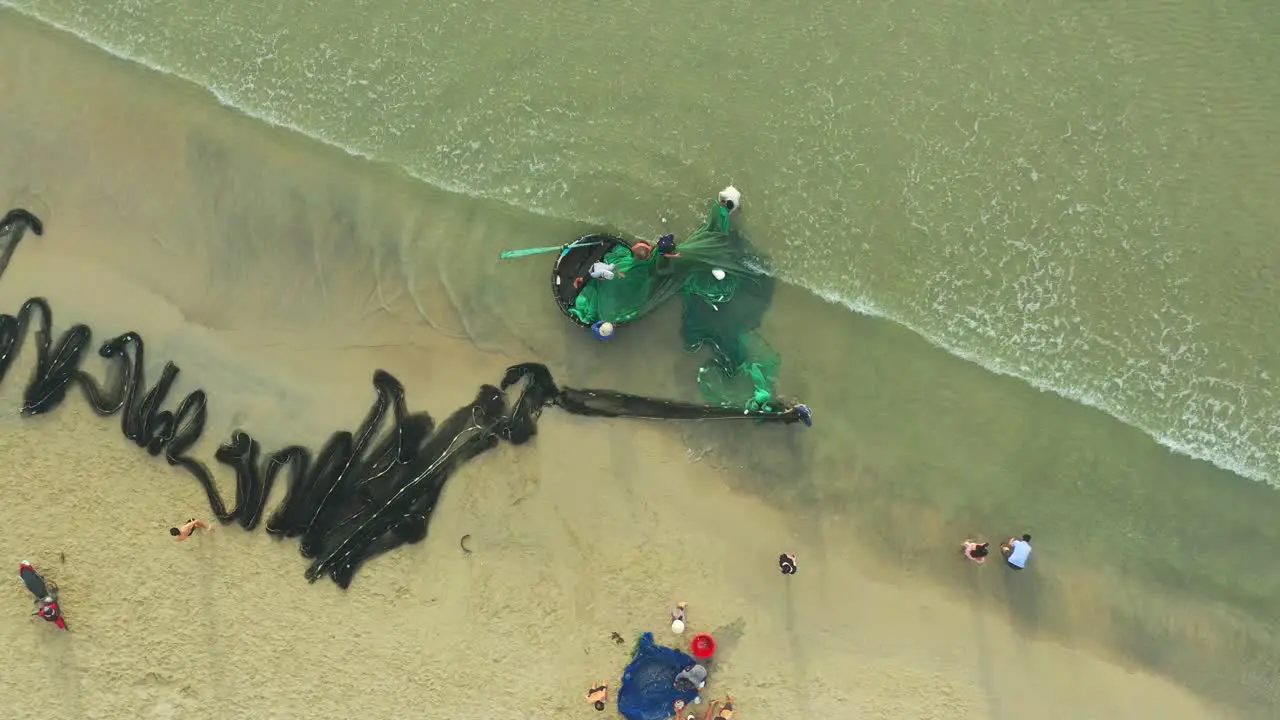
x,y
976,551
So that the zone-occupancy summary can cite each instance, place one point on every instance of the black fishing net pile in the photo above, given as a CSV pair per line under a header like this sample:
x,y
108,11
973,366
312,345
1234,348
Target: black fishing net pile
x,y
365,491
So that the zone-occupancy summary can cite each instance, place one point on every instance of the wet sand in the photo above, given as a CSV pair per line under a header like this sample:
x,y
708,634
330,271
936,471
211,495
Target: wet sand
x,y
278,275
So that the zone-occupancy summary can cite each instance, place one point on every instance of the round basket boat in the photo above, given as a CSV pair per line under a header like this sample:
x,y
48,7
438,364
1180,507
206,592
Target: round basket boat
x,y
575,261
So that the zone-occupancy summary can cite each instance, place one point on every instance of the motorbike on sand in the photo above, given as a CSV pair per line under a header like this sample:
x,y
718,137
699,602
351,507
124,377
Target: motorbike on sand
x,y
45,592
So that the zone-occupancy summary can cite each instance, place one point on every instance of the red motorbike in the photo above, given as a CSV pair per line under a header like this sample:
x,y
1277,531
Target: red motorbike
x,y
46,594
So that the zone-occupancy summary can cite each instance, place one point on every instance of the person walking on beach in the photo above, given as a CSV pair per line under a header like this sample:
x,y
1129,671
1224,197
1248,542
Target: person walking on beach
x,y
189,527
1017,551
976,551
598,696
787,563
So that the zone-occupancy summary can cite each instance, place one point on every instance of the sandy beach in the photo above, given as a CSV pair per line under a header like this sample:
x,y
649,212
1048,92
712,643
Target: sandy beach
x,y
278,275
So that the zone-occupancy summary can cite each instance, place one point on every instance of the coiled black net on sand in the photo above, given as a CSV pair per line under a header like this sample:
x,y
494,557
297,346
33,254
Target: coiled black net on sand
x,y
364,492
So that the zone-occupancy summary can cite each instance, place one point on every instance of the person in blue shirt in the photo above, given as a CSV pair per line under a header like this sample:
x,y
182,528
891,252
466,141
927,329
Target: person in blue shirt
x,y
602,330
1017,551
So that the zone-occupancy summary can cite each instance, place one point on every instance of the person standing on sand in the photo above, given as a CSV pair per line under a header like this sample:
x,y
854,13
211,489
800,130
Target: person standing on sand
x,y
189,527
1017,551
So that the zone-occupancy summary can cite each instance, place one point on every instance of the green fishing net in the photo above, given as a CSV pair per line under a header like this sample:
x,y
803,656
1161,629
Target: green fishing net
x,y
628,296
720,314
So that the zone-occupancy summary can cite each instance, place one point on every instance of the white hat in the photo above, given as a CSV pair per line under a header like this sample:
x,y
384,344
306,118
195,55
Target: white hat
x,y
731,196
677,626
717,273
606,329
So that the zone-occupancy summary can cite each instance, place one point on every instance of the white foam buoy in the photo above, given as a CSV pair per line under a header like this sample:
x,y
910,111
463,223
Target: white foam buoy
x,y
717,273
677,626
731,198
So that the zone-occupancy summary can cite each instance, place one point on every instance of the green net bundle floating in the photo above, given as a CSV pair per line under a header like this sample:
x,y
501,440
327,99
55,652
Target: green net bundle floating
x,y
725,289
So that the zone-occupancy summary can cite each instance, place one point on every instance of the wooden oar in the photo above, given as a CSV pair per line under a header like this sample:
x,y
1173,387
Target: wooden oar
x,y
508,254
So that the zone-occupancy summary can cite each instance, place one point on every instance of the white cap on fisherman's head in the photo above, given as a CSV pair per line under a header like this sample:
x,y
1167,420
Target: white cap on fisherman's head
x,y
606,329
731,198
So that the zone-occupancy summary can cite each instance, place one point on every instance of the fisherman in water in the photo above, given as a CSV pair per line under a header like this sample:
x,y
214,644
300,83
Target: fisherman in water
x,y
666,246
602,329
729,199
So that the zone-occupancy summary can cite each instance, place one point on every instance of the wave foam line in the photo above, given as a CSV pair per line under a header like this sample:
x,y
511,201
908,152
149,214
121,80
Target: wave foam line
x,y
867,307
860,306
231,103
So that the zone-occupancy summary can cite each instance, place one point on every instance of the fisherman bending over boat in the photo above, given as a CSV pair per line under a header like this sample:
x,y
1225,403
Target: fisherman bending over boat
x,y
600,271
666,245
729,199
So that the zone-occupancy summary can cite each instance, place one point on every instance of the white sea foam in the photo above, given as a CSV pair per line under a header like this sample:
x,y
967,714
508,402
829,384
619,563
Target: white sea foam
x,y
1218,444
1203,450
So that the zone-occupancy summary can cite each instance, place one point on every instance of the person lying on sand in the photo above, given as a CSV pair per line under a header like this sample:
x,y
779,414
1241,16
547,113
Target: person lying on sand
x,y
598,695
975,551
185,531
726,712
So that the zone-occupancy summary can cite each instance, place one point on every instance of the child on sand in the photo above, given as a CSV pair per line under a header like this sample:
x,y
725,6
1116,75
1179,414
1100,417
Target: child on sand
x,y
726,712
598,695
677,618
189,527
976,551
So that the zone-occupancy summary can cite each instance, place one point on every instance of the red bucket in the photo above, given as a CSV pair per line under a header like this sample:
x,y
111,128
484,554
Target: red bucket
x,y
703,646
